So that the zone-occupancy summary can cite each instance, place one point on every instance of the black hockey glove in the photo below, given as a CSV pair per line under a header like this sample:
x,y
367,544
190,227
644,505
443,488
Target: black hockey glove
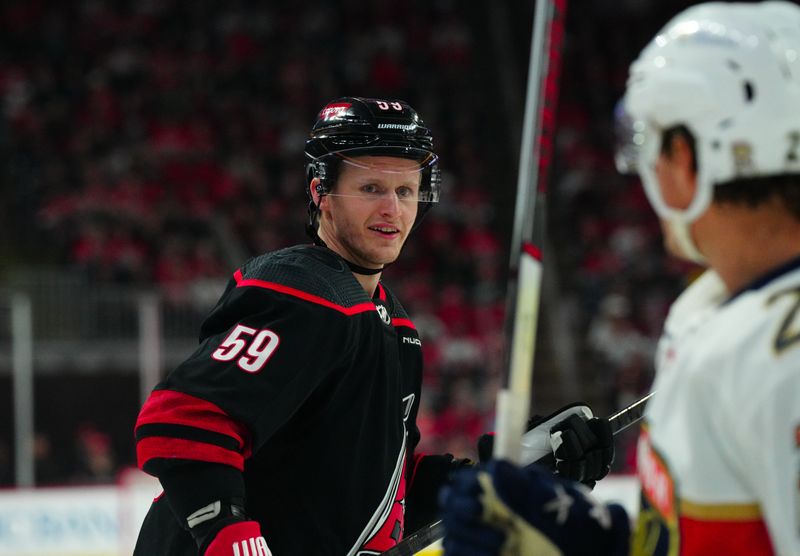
x,y
584,450
575,444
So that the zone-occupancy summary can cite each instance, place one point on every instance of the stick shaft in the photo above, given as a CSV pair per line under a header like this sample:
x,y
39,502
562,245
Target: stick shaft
x,y
539,118
525,276
630,415
525,265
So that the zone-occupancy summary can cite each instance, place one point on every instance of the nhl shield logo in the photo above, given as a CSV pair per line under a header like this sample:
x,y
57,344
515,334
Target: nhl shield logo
x,y
383,313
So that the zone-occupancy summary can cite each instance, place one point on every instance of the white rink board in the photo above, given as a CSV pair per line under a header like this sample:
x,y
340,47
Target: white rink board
x,y
622,489
75,521
59,521
104,520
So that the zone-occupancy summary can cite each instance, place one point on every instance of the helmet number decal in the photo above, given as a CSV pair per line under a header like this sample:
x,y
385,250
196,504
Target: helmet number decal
x,y
257,345
383,105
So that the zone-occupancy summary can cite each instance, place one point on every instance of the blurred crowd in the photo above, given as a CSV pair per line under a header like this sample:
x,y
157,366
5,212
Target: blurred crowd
x,y
159,143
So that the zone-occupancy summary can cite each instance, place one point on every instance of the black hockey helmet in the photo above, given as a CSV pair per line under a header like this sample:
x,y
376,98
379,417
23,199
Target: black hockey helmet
x,y
349,127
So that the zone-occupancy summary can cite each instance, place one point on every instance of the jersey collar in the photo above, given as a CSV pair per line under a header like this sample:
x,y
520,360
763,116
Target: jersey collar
x,y
765,279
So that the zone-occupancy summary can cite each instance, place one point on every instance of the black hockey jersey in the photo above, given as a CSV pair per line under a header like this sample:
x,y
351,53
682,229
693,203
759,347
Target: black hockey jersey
x,y
311,389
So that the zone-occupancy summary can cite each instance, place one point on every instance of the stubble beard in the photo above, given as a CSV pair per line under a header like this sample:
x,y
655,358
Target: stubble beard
x,y
356,247
369,256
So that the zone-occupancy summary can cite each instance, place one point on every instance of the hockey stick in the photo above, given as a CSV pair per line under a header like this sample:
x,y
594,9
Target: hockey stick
x,y
525,267
432,532
525,276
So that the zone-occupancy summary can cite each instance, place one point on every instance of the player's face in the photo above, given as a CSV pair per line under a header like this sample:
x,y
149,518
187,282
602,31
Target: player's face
x,y
369,214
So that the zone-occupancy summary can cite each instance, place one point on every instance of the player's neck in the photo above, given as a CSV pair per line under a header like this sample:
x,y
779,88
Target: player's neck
x,y
367,277
743,245
369,283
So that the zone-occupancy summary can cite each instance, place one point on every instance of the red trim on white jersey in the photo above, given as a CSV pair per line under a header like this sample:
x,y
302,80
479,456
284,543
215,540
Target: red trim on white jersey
x,y
733,538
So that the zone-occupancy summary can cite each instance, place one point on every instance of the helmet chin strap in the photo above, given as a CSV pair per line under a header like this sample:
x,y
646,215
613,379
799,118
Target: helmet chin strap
x,y
363,270
679,228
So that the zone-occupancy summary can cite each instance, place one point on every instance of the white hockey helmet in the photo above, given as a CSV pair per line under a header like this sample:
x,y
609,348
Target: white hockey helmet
x,y
729,73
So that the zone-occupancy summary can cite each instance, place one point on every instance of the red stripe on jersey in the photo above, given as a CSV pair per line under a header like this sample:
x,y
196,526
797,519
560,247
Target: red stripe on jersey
x,y
349,311
381,292
176,408
177,448
415,465
733,538
404,322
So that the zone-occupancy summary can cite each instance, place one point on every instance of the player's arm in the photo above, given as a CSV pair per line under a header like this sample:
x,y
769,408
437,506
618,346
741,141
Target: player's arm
x,y
502,509
197,452
199,426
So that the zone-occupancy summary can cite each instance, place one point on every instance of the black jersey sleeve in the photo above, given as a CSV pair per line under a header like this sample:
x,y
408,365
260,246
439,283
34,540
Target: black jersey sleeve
x,y
264,349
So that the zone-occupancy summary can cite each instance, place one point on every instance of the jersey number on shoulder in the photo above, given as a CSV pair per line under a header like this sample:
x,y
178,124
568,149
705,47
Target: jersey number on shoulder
x,y
257,345
789,332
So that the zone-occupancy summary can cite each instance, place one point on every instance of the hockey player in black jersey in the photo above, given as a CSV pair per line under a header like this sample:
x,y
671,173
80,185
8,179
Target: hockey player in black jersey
x,y
291,430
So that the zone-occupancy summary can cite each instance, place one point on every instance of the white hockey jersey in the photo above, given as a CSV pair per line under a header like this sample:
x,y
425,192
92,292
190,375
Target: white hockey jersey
x,y
719,453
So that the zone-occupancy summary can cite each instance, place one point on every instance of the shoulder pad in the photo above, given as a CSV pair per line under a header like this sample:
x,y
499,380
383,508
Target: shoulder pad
x,y
706,292
308,269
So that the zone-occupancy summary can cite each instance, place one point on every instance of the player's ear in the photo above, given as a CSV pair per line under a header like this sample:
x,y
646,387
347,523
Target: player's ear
x,y
682,153
684,159
677,169
315,188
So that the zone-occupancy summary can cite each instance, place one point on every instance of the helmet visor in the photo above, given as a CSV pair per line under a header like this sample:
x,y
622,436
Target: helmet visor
x,y
629,139
409,173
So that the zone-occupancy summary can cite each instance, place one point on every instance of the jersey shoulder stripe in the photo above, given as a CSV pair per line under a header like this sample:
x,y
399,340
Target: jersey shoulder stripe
x,y
403,322
242,282
308,272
